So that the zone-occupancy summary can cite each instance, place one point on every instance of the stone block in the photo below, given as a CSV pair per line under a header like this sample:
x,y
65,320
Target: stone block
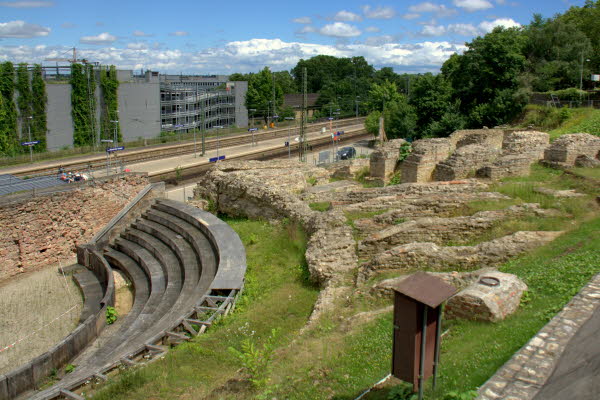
x,y
493,297
490,138
527,143
586,161
507,165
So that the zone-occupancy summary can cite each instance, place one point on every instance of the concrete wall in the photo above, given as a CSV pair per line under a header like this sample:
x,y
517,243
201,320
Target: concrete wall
x,y
241,113
139,110
58,111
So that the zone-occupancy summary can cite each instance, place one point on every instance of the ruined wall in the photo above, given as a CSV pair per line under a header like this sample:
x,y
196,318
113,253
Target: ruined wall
x,y
491,138
382,162
426,153
565,150
465,162
45,230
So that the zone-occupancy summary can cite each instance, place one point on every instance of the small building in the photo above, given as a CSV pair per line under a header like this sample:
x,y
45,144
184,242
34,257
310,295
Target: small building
x,y
295,101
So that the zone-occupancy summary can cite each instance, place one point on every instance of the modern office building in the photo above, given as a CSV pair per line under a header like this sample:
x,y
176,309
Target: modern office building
x,y
150,103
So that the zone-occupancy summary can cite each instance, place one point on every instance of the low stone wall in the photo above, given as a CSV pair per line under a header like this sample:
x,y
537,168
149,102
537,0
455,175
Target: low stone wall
x,y
437,230
46,229
567,148
426,154
509,165
489,138
28,376
494,252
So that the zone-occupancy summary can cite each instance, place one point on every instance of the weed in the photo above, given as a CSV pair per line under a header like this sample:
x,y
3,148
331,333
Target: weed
x,y
311,180
111,315
361,174
396,179
257,362
178,173
69,368
399,221
404,151
403,391
454,395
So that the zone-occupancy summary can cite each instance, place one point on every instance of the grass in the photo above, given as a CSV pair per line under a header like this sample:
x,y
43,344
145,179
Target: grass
x,y
584,120
277,294
320,206
473,351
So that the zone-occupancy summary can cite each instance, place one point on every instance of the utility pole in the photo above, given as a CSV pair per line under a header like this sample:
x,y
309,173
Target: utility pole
x,y
302,152
202,125
356,101
274,103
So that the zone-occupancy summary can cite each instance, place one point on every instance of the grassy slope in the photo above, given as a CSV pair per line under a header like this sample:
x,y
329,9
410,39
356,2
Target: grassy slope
x,y
560,121
277,295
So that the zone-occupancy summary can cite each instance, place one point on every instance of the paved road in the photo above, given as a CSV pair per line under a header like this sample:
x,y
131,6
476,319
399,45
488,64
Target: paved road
x,y
577,375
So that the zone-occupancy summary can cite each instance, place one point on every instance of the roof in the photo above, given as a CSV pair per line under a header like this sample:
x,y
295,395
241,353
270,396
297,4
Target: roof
x,y
426,289
295,100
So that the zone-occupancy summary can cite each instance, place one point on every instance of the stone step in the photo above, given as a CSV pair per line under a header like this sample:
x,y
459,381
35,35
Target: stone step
x,y
92,292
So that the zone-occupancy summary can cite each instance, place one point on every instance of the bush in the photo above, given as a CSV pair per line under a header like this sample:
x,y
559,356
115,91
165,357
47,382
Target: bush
x,y
111,315
257,361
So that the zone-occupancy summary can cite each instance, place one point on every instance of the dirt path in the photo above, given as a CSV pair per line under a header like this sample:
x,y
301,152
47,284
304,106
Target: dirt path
x,y
36,311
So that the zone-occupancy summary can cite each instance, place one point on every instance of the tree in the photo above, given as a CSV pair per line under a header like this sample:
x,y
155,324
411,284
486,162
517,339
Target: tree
x,y
431,96
382,94
24,98
485,79
260,94
400,119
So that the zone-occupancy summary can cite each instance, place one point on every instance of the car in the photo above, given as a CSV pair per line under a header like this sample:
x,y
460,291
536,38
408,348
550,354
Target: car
x,y
346,153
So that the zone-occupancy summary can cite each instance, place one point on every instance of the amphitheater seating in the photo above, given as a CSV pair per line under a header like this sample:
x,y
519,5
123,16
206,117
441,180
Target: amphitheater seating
x,y
186,267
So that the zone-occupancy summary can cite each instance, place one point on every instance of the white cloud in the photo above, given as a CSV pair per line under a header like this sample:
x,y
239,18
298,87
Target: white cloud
x,y
379,12
179,33
372,29
21,29
302,20
137,46
473,5
433,30
103,38
248,56
488,26
339,29
439,10
141,34
411,16
306,29
463,29
347,16
379,40
26,4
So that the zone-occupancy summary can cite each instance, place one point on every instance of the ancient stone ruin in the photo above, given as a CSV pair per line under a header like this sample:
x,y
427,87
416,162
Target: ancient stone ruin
x,y
383,161
486,153
566,150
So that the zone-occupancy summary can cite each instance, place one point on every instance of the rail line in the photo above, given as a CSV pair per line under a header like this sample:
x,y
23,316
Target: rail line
x,y
170,150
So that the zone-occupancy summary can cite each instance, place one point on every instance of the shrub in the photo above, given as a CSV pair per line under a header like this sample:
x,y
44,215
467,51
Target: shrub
x,y
111,315
257,361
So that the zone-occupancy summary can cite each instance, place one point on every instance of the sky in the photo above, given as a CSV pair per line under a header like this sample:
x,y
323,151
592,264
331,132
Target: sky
x,y
210,37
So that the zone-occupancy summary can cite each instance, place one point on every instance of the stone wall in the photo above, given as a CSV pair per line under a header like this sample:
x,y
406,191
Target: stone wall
x,y
426,153
490,138
382,162
46,229
437,230
465,162
565,150
492,253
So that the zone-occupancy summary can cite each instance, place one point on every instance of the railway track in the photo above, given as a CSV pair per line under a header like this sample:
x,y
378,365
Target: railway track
x,y
163,151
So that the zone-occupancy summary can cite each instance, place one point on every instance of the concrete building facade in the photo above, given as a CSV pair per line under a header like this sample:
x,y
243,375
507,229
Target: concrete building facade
x,y
151,103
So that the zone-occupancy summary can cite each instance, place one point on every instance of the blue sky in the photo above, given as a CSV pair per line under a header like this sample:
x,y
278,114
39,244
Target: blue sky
x,y
244,36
